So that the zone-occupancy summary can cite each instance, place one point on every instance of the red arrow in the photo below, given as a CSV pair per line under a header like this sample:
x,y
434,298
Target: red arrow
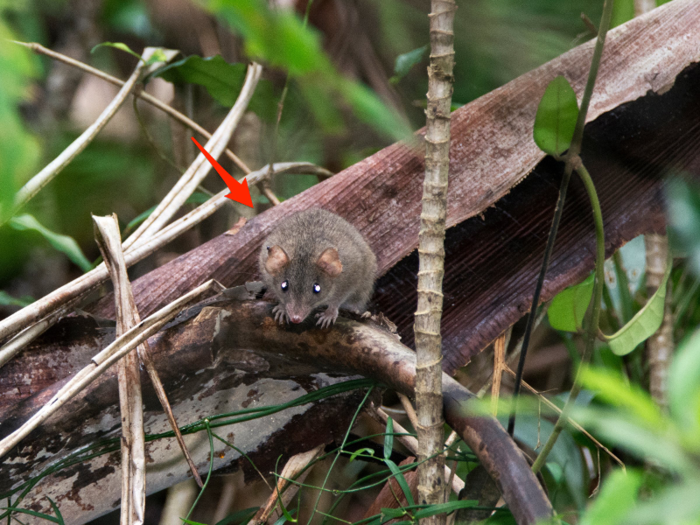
x,y
239,190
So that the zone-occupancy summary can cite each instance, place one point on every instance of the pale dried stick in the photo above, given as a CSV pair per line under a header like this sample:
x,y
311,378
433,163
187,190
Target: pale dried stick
x,y
22,339
295,469
199,169
111,240
571,421
408,407
41,179
133,442
175,114
499,364
411,444
103,360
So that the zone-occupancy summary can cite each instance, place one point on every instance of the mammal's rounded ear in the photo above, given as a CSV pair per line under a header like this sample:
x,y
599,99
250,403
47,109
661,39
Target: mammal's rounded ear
x,y
277,260
329,262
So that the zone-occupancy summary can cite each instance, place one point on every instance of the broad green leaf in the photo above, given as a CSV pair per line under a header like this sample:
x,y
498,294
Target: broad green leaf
x,y
7,300
117,45
19,150
277,37
400,478
223,81
389,439
556,117
644,323
533,430
569,306
683,211
677,504
639,438
615,500
613,389
405,62
62,243
684,386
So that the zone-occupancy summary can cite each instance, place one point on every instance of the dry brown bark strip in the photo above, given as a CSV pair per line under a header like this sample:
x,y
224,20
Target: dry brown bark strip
x,y
492,151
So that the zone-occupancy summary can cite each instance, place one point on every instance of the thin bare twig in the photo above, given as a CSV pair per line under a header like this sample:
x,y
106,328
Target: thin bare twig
x,y
175,114
46,175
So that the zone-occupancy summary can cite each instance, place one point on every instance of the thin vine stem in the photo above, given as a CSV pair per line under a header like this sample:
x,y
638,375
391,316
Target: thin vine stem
x,y
572,158
593,318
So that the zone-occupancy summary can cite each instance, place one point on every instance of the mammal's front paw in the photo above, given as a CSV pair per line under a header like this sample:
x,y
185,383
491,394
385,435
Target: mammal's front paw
x,y
280,314
327,318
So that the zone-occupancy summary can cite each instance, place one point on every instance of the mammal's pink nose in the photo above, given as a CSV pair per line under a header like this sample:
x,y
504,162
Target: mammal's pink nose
x,y
296,319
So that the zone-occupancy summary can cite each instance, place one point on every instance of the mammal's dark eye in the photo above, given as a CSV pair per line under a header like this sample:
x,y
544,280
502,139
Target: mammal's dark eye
x,y
317,288
284,286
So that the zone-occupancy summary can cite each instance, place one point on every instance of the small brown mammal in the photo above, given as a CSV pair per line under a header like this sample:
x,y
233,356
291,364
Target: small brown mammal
x,y
315,258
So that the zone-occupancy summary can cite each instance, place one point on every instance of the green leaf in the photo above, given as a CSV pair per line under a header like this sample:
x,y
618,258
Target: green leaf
x,y
639,438
286,517
614,389
62,243
404,63
683,211
533,430
7,300
677,504
59,516
569,306
615,500
277,37
32,513
240,517
389,438
369,108
223,81
684,387
644,323
448,507
623,11
401,480
556,117
393,513
117,45
19,150
361,451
